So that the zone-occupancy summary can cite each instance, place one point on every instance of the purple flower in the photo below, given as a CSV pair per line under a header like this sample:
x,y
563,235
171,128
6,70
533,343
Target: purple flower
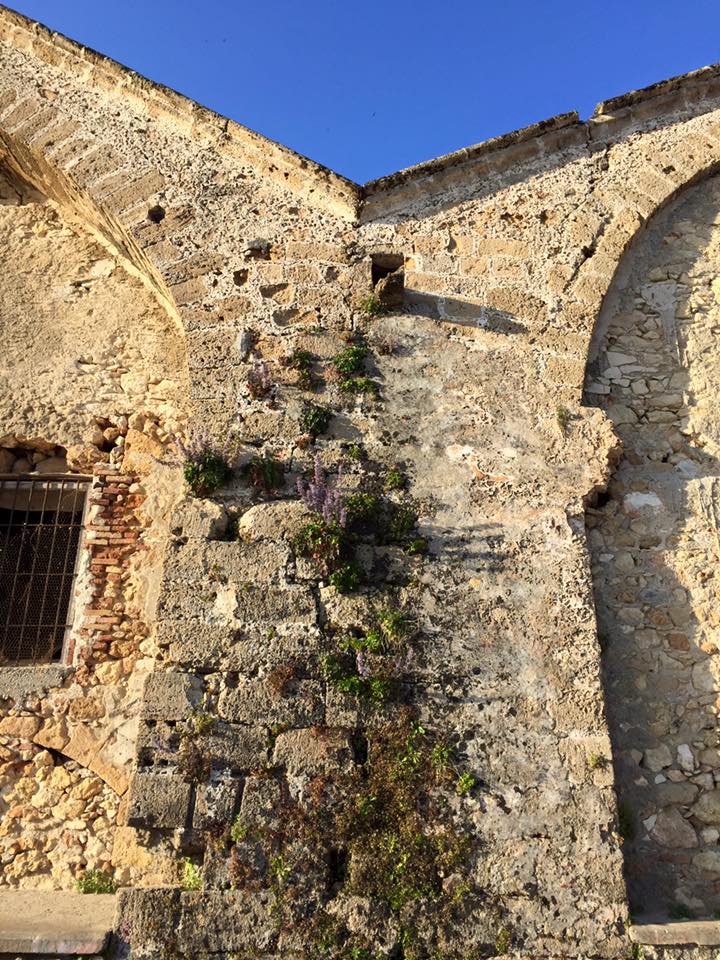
x,y
322,496
363,668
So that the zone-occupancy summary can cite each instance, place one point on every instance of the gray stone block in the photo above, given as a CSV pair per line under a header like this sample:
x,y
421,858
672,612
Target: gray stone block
x,y
170,696
253,702
158,800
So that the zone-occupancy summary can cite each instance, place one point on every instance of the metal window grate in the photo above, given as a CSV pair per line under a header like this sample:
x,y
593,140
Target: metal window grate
x,y
41,522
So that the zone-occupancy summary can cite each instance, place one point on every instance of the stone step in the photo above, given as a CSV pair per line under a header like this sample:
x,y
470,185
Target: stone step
x,y
53,922
698,933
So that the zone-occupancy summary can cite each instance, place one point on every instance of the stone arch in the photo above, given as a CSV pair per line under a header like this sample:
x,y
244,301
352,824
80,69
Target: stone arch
x,y
94,372
654,541
630,207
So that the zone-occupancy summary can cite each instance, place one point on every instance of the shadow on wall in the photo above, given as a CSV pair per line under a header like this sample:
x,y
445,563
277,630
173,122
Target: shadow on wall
x,y
655,545
463,312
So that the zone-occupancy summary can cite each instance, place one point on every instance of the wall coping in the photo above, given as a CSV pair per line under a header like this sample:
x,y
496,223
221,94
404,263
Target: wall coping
x,y
18,682
273,159
612,118
57,922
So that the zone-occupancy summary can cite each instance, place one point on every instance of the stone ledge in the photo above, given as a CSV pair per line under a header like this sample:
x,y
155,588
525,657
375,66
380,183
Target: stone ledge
x,y
16,683
53,922
699,933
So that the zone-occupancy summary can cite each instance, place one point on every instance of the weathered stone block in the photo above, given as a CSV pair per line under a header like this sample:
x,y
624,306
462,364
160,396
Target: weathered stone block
x,y
158,800
200,519
215,803
170,696
252,702
238,747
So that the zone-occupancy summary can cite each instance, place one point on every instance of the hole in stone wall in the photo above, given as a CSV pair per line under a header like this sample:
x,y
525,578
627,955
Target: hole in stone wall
x,y
337,867
156,214
388,278
359,745
383,264
240,277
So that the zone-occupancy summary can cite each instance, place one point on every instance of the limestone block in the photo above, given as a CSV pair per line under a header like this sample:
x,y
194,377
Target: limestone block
x,y
273,521
707,808
253,702
170,696
82,745
115,778
261,802
657,758
158,800
53,734
200,519
215,803
313,751
672,830
708,860
239,747
22,728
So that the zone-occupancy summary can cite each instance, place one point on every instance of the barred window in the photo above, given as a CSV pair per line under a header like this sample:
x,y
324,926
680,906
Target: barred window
x,y
41,521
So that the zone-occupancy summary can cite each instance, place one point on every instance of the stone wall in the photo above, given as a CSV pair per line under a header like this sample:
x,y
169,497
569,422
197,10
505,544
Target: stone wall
x,y
654,541
394,742
94,381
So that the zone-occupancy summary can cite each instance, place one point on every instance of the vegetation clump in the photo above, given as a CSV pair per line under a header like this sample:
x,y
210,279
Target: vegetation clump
x,y
315,419
563,416
259,383
191,876
368,664
206,468
371,305
301,361
95,881
395,480
265,474
350,361
346,578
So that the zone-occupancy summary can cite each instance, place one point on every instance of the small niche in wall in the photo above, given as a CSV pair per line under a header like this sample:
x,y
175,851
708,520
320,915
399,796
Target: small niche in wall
x,y
388,278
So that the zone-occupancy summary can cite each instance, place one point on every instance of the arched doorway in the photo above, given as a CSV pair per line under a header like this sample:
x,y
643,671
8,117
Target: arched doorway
x,y
654,539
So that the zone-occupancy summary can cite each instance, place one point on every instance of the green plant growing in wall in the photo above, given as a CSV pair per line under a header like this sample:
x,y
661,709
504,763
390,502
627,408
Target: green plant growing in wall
x,y
321,542
395,480
265,474
301,361
95,881
466,782
361,507
371,305
206,468
417,547
350,361
370,663
563,417
346,578
402,522
503,941
239,830
315,419
191,875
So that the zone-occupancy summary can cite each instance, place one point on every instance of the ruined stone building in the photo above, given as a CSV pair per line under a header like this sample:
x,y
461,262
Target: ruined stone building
x,y
359,545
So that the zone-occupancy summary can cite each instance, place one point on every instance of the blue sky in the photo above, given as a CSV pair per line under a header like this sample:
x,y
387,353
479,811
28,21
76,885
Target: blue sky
x,y
370,88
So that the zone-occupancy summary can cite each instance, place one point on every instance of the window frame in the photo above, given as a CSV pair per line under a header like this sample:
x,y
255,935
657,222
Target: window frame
x,y
37,480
